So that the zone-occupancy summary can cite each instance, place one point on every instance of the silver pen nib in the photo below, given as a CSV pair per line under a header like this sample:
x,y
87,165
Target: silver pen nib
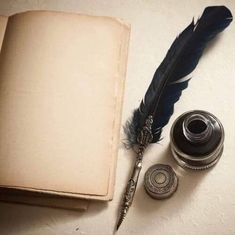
x,y
122,216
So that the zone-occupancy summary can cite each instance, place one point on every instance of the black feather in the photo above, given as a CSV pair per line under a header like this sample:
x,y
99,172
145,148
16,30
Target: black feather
x,y
167,83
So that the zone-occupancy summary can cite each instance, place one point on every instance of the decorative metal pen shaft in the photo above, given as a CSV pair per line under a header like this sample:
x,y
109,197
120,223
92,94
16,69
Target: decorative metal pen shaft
x,y
144,138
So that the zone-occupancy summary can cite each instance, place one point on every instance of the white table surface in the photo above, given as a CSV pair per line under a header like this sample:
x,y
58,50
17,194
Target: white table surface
x,y
205,201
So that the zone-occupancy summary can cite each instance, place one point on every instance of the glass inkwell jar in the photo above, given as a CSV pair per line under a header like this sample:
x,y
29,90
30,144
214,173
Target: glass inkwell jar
x,y
197,139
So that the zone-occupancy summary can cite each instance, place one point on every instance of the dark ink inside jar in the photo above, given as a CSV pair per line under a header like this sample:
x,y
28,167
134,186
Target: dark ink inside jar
x,y
197,140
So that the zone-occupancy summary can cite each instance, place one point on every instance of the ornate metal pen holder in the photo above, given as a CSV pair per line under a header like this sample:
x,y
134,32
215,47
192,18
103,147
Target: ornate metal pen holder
x,y
197,139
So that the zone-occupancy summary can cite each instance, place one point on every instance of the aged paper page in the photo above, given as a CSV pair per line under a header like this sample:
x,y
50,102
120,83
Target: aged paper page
x,y
3,24
39,199
58,99
35,198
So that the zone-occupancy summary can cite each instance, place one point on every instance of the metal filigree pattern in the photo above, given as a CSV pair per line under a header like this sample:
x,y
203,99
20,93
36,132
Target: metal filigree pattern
x,y
160,187
144,138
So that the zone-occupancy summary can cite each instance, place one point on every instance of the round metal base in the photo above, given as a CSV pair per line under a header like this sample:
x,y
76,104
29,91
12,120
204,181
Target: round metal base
x,y
181,162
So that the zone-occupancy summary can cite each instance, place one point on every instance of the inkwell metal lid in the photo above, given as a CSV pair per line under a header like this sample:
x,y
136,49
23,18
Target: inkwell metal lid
x,y
160,181
197,139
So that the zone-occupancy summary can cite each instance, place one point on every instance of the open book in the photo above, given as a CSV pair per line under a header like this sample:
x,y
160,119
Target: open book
x,y
61,90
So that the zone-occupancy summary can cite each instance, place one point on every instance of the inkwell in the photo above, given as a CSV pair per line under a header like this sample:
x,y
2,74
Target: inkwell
x,y
197,139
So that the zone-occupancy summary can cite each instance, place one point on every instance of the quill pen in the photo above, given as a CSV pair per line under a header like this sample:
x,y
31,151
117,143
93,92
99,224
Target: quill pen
x,y
166,87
